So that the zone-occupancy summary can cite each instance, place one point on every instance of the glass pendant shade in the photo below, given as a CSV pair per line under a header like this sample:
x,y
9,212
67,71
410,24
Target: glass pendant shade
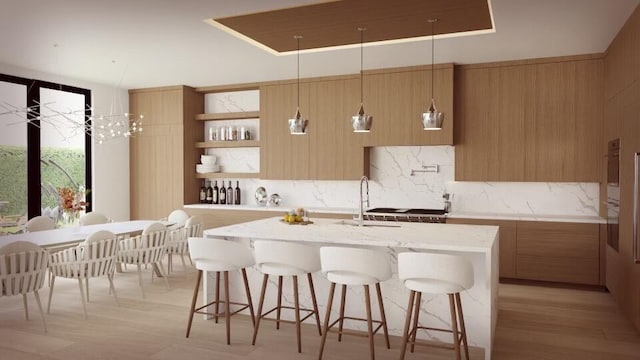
x,y
361,122
298,125
432,119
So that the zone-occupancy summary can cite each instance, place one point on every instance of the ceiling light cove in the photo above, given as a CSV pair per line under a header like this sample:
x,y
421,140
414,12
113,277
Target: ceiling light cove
x,y
329,25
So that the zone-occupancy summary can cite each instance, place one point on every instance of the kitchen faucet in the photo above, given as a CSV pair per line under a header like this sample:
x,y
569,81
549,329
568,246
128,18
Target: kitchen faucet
x,y
363,180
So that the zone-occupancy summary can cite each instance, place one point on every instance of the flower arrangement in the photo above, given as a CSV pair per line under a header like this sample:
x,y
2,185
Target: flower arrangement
x,y
72,201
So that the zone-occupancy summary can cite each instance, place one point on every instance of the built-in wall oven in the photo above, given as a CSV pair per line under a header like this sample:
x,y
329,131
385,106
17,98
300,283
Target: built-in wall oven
x,y
613,192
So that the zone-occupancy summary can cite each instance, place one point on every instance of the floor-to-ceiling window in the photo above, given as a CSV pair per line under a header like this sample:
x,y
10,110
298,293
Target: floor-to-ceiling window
x,y
44,147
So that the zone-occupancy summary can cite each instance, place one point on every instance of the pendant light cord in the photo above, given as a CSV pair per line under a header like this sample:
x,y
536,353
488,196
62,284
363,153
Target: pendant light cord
x,y
361,63
432,54
298,78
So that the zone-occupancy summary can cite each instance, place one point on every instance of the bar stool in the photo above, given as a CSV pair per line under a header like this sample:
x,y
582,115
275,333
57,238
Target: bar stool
x,y
280,259
435,274
220,256
352,266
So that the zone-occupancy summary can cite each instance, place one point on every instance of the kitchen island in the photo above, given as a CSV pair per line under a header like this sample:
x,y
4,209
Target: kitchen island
x,y
477,243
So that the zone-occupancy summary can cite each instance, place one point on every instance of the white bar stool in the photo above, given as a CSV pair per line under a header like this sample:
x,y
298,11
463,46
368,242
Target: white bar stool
x,y
220,256
352,266
280,259
435,274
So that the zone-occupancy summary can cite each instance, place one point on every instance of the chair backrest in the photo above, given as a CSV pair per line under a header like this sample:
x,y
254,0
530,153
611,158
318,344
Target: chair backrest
x,y
179,217
225,253
40,223
93,218
452,269
355,261
96,256
147,248
303,257
22,268
194,226
177,243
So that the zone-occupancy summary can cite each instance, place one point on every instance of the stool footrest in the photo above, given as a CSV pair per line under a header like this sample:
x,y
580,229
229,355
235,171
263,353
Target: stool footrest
x,y
198,310
310,313
443,345
352,332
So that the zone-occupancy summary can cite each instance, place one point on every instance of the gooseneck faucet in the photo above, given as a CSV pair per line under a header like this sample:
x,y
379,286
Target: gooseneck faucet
x,y
363,180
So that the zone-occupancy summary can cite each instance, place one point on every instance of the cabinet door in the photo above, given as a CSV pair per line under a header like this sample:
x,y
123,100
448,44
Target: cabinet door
x,y
421,100
282,155
507,242
563,252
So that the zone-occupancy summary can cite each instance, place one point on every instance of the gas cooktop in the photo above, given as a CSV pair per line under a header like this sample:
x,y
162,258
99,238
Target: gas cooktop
x,y
406,215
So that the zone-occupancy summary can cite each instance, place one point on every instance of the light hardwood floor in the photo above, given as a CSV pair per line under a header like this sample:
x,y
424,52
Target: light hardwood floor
x,y
533,323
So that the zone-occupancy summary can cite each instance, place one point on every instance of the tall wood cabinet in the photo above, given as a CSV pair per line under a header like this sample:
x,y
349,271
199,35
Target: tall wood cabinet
x,y
530,120
160,155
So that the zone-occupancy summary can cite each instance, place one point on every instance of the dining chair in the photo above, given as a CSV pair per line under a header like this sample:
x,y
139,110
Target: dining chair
x,y
95,257
148,248
22,270
40,223
93,218
178,218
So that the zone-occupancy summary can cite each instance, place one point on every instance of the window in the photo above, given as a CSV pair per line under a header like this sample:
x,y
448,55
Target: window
x,y
44,154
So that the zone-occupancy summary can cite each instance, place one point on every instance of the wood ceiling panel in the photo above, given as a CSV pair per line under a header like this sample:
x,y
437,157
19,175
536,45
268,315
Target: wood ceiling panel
x,y
335,23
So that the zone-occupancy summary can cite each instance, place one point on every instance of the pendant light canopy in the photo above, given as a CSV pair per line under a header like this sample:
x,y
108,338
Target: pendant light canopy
x,y
432,119
298,125
361,122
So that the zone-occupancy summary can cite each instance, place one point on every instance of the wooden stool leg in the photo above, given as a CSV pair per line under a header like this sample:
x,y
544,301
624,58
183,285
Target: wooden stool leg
x,y
343,299
193,302
265,279
315,303
327,317
279,303
382,315
367,300
296,305
407,322
217,295
227,311
415,321
249,301
454,326
462,327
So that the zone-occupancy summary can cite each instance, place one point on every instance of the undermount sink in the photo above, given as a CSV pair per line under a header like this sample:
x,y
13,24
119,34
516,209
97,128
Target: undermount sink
x,y
366,224
407,211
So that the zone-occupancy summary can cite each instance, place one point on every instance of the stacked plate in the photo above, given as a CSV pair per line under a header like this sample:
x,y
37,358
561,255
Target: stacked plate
x,y
208,164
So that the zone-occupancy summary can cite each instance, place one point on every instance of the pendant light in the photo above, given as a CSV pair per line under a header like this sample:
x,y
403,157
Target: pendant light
x,y
298,125
432,119
361,122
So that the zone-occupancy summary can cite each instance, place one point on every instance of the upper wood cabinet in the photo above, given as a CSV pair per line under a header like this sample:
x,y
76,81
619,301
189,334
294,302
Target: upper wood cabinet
x,y
160,155
397,98
528,121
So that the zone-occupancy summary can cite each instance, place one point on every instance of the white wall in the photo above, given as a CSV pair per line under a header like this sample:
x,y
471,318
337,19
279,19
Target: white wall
x,y
110,170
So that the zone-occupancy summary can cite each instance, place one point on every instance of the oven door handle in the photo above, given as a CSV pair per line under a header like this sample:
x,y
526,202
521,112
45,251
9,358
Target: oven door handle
x,y
636,210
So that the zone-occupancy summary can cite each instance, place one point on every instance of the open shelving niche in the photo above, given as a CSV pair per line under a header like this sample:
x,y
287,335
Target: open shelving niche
x,y
237,106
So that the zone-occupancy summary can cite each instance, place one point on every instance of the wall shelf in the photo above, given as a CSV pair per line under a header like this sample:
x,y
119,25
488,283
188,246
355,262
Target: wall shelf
x,y
219,175
229,116
228,144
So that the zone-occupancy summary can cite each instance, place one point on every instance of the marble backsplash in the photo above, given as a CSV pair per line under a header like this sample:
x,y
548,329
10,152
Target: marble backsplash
x,y
397,179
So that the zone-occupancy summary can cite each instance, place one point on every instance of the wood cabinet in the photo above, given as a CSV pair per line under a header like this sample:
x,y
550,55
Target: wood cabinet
x,y
507,242
548,251
564,252
530,121
160,154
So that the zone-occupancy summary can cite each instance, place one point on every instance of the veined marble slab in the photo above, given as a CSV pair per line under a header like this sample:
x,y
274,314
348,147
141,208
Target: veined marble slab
x,y
479,244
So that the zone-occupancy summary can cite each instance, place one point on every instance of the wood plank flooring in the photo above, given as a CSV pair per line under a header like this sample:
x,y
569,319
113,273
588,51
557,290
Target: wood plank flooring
x,y
533,323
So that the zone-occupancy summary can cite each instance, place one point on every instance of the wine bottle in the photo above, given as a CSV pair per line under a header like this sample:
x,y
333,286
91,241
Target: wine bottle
x,y
222,195
215,192
203,193
209,197
236,193
230,194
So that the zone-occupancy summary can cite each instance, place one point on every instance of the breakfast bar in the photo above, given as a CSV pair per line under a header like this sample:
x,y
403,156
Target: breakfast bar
x,y
477,243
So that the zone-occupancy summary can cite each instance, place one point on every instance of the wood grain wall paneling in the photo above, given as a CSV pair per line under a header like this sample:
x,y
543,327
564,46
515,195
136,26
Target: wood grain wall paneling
x,y
193,133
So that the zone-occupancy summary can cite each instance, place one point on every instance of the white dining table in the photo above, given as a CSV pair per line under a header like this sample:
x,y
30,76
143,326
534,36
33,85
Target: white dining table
x,y
75,234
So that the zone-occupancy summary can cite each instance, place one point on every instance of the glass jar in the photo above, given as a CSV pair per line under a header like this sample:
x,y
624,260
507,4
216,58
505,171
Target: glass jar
x,y
222,133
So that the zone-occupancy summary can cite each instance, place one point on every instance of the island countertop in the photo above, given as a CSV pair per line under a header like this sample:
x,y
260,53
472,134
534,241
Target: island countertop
x,y
445,237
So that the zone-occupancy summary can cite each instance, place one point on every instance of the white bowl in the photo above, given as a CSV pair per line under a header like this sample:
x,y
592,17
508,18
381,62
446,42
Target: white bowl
x,y
208,159
207,168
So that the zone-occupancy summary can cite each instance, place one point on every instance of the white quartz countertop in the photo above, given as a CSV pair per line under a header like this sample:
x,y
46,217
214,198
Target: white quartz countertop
x,y
528,217
452,215
445,237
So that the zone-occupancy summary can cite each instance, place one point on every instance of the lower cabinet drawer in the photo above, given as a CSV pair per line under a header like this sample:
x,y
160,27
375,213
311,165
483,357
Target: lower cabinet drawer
x,y
559,269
